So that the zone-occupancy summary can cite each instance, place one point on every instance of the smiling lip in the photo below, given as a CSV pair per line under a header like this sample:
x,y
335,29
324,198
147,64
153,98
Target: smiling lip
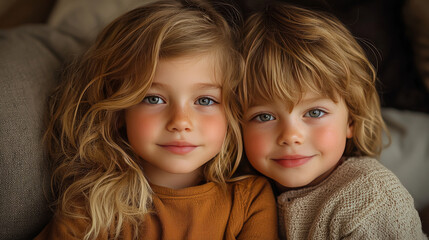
x,y
178,147
291,161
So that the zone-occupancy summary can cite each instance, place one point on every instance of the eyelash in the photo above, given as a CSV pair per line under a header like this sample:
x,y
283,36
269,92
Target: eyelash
x,y
158,98
257,118
211,100
147,99
320,114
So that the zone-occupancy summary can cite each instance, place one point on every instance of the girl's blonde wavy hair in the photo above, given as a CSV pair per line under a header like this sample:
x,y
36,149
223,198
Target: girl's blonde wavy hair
x,y
96,175
288,50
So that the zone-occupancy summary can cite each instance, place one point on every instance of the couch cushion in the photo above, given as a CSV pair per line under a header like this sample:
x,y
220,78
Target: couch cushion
x,y
30,60
408,154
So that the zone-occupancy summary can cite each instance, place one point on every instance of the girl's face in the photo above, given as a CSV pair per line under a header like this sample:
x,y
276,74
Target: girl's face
x,y
300,147
180,125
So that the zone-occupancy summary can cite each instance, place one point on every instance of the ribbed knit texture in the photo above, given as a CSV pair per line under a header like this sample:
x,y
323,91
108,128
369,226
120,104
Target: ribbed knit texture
x,y
246,210
361,199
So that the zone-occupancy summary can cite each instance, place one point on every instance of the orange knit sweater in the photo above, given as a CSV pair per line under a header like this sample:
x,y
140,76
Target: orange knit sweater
x,y
247,210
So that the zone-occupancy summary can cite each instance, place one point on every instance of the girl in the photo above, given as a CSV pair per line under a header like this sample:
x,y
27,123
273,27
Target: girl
x,y
143,137
313,125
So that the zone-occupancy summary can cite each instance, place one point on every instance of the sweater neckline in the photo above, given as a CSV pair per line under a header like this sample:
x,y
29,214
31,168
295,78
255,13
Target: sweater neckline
x,y
183,192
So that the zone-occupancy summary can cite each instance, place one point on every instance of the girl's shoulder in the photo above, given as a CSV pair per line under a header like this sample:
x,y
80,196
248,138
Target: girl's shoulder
x,y
255,205
251,189
248,182
250,186
66,227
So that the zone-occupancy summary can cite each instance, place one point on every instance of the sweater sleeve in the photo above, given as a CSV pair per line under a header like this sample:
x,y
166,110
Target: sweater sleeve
x,y
65,228
388,214
260,211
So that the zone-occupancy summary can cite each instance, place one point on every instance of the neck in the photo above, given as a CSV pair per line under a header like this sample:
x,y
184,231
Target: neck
x,y
172,180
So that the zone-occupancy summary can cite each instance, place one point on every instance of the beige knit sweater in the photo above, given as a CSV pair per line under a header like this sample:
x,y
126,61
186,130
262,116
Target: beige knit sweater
x,y
361,199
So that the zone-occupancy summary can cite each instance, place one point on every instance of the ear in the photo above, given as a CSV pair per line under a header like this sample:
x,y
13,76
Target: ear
x,y
350,127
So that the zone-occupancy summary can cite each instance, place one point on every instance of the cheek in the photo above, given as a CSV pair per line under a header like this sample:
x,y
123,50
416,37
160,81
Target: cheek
x,y
330,139
140,128
256,144
213,128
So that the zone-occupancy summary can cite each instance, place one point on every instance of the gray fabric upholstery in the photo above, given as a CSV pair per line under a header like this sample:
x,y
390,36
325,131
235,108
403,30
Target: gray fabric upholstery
x,y
29,64
408,154
84,19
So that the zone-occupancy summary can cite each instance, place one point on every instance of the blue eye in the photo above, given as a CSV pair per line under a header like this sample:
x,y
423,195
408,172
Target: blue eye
x,y
153,100
265,117
315,113
205,101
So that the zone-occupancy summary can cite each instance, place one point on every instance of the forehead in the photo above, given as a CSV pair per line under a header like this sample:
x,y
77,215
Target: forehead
x,y
291,101
194,68
203,66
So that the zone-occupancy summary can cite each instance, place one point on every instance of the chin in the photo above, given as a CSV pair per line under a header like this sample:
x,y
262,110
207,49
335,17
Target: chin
x,y
293,183
182,169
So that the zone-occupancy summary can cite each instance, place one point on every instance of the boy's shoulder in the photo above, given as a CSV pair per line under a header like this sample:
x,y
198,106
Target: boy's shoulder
x,y
357,179
363,185
363,165
365,172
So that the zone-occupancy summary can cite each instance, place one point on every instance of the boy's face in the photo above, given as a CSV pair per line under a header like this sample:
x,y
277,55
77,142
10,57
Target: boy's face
x,y
297,148
180,124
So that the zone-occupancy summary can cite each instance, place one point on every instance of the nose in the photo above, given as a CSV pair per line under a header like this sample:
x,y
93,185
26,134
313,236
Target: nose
x,y
180,119
291,133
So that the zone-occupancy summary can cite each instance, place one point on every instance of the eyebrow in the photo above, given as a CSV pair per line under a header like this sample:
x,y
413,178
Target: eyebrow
x,y
208,86
315,99
322,101
302,101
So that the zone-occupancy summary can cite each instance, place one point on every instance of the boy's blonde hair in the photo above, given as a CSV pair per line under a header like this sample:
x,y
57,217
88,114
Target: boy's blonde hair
x,y
96,175
288,50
